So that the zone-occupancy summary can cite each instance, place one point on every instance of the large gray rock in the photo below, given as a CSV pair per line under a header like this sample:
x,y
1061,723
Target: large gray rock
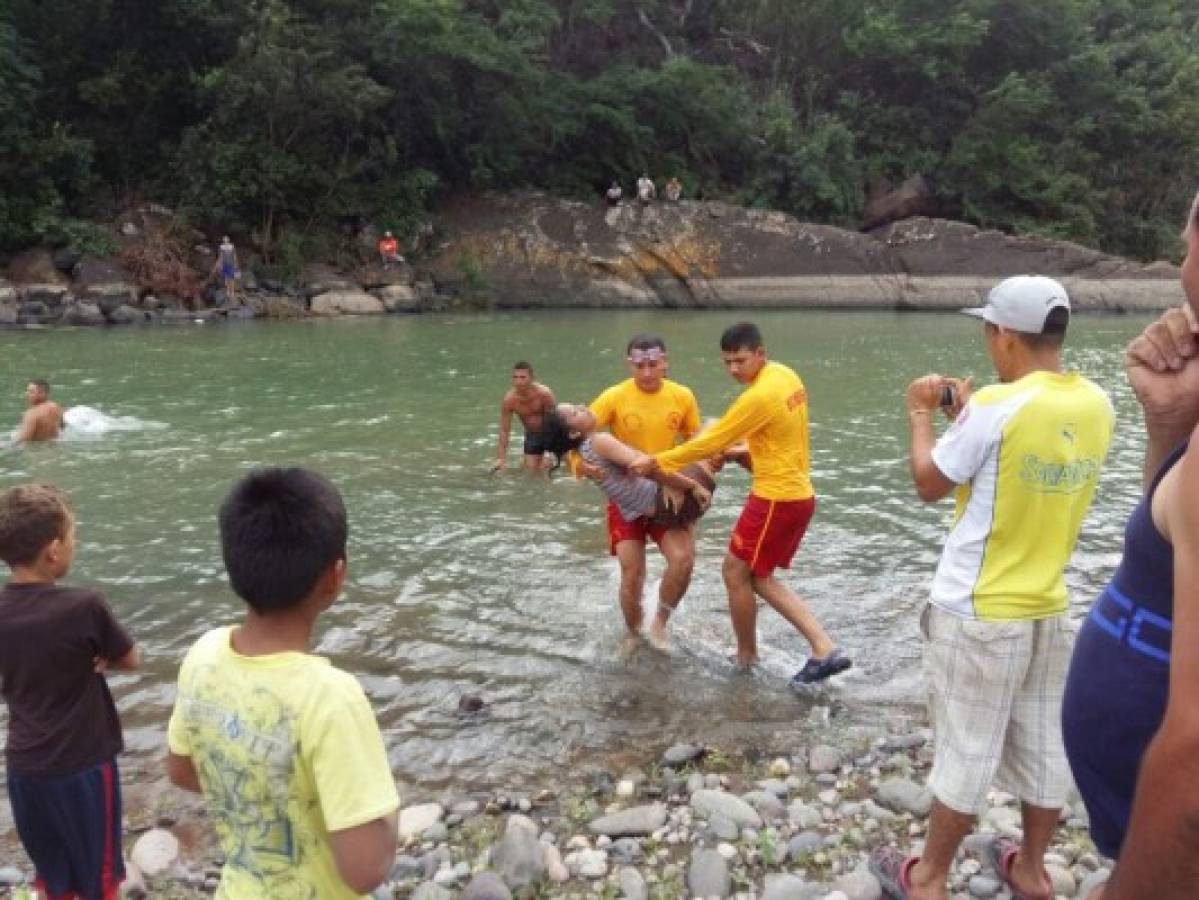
x,y
399,298
804,844
8,314
708,874
904,795
486,886
346,303
803,815
823,758
518,856
126,315
681,754
8,293
109,295
736,810
11,877
768,806
790,887
83,314
49,294
415,819
632,885
859,884
639,820
915,197
430,891
155,852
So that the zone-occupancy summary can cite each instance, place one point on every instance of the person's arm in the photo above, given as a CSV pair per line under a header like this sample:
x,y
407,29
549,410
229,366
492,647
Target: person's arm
x,y
1160,857
366,853
623,455
126,663
501,452
182,773
1162,365
27,428
748,413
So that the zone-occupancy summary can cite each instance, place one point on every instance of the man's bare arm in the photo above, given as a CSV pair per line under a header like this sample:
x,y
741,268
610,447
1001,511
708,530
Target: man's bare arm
x,y
1160,857
27,428
501,453
366,853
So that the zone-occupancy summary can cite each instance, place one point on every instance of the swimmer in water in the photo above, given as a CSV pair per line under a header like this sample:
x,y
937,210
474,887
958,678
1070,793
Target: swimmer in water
x,y
43,421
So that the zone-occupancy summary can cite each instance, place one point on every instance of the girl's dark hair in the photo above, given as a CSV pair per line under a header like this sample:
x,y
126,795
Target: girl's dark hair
x,y
556,437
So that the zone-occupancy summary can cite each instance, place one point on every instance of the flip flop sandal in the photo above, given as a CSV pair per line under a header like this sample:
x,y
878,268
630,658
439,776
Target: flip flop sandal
x,y
893,871
1001,853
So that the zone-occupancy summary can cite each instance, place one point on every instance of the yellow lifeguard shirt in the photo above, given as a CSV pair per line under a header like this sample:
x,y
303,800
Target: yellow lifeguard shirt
x,y
647,422
287,749
771,416
1026,457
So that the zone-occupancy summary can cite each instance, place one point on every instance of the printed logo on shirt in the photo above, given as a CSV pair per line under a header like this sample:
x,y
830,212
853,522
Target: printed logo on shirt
x,y
796,400
632,421
675,421
1055,477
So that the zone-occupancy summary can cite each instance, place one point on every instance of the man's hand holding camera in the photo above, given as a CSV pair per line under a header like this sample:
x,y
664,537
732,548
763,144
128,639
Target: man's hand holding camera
x,y
927,394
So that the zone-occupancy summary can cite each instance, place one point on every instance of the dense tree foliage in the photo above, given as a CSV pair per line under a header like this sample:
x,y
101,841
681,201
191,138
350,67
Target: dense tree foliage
x,y
280,119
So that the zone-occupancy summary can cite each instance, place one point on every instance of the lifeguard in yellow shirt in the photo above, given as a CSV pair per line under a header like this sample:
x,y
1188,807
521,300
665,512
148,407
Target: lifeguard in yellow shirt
x,y
771,417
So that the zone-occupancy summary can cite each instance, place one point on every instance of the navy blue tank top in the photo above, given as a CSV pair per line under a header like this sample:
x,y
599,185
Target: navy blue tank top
x,y
1117,687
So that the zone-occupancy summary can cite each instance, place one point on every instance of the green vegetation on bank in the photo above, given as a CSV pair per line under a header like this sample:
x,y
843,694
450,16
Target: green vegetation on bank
x,y
278,119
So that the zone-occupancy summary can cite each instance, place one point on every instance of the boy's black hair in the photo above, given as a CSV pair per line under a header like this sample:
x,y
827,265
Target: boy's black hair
x,y
1053,332
281,530
31,516
41,384
645,342
521,364
742,336
556,437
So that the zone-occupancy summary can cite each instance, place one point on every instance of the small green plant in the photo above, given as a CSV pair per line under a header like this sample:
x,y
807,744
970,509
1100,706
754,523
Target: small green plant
x,y
668,888
718,761
475,286
768,848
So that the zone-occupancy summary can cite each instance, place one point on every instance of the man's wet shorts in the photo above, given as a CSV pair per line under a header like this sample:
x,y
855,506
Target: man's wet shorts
x,y
71,828
637,530
533,444
769,531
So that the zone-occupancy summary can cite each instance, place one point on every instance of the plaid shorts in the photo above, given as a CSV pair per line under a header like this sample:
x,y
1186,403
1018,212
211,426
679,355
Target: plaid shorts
x,y
995,696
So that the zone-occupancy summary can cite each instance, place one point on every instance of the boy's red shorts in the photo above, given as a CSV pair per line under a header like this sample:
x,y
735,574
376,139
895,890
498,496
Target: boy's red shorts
x,y
769,531
620,530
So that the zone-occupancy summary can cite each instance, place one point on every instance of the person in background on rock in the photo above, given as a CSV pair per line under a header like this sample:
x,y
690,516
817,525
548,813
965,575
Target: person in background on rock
x,y
226,266
649,413
283,746
646,192
63,731
529,400
771,417
614,194
389,250
673,191
1129,714
1024,456
43,421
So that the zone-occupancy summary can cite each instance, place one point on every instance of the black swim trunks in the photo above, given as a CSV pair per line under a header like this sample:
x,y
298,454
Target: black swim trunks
x,y
533,444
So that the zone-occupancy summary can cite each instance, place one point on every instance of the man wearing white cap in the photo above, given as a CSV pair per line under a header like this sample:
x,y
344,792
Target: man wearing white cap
x,y
1024,457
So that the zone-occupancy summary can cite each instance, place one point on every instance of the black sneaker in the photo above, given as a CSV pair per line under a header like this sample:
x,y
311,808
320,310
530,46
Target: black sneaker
x,y
815,670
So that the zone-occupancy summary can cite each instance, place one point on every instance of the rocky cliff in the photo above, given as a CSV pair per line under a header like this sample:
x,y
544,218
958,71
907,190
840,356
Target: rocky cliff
x,y
531,250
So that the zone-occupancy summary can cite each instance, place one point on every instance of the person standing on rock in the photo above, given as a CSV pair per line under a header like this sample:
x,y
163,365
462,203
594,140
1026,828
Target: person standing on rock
x,y
771,417
529,400
1024,456
226,266
650,413
673,191
1129,714
614,194
646,192
389,250
43,421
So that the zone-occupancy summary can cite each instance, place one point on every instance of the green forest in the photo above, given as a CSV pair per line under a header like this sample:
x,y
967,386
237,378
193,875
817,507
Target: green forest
x,y
282,120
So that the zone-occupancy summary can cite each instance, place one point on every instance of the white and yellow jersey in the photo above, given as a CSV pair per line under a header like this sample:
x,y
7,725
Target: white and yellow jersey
x,y
1026,457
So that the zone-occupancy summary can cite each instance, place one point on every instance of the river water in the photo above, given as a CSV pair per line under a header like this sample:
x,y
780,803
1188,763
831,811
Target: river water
x,y
463,582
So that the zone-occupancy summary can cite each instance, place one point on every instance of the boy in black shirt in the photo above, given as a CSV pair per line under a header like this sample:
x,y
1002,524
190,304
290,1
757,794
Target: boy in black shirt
x,y
63,730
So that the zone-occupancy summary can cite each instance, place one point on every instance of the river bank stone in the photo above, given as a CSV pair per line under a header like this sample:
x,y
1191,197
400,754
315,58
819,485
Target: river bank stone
x,y
632,884
486,886
639,820
823,758
681,754
711,802
708,874
518,857
905,795
790,887
414,820
346,303
155,852
859,884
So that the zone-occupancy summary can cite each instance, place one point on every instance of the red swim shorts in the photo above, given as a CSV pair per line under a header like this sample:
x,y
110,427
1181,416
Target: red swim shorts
x,y
769,531
620,530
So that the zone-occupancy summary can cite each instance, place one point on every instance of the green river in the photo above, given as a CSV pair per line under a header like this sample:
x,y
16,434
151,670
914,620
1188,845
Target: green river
x,y
463,582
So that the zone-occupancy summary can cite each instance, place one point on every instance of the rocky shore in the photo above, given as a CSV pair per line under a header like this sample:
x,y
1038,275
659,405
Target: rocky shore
x,y
794,824
530,250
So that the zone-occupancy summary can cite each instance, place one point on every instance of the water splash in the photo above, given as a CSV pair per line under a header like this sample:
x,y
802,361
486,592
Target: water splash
x,y
89,423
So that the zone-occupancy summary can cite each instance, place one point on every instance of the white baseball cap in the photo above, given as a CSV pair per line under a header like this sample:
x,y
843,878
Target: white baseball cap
x,y
1022,303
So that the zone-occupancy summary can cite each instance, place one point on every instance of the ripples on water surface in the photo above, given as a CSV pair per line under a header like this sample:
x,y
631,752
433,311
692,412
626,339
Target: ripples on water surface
x,y
461,582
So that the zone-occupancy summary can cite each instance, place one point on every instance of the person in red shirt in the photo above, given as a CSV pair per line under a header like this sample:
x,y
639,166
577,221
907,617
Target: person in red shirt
x,y
389,250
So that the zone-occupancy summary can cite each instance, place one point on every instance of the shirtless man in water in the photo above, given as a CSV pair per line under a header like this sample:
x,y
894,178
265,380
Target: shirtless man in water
x,y
530,401
43,420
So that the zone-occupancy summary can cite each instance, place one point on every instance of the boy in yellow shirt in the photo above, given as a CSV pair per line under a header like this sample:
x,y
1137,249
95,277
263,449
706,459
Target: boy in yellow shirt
x,y
283,746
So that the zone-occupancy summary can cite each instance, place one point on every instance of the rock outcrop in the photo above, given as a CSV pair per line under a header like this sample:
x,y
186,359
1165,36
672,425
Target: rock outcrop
x,y
531,250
